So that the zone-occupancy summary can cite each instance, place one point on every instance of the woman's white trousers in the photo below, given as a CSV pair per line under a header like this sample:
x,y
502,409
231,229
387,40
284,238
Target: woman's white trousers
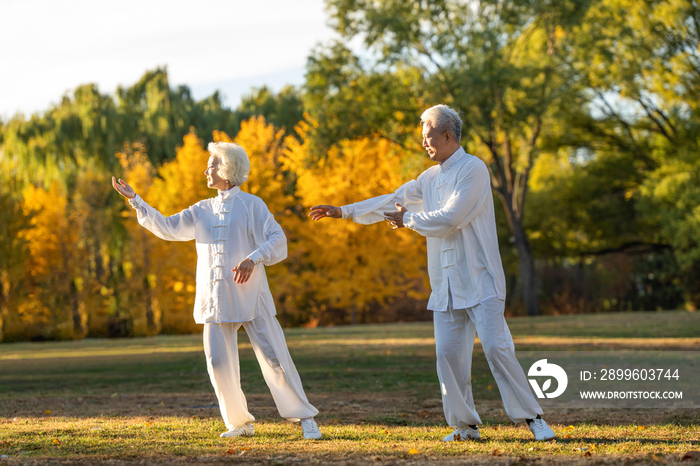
x,y
267,338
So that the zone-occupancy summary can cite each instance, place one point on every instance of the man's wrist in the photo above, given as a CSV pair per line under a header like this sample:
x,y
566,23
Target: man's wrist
x,y
346,212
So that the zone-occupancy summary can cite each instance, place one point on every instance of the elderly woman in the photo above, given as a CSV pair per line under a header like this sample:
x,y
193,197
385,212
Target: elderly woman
x,y
236,236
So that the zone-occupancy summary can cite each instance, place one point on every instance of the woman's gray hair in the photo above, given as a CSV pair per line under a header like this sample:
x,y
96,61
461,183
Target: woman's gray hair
x,y
444,119
234,165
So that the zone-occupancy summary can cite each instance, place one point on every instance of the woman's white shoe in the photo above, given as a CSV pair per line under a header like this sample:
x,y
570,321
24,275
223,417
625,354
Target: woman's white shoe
x,y
246,430
310,429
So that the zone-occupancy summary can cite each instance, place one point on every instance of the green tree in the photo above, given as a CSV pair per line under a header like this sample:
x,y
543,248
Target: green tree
x,y
284,109
500,63
639,63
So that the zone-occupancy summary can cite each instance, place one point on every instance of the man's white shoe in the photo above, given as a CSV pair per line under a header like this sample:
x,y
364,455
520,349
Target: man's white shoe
x,y
462,434
310,429
541,430
246,430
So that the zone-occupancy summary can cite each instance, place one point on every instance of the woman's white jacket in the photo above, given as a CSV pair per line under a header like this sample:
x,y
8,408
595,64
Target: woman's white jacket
x,y
226,229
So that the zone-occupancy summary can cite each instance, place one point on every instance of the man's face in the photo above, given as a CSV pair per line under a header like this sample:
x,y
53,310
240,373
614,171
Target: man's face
x,y
435,143
212,173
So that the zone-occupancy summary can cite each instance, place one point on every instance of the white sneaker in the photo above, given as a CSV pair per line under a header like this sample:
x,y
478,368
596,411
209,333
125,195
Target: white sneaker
x,y
246,430
461,434
541,430
310,429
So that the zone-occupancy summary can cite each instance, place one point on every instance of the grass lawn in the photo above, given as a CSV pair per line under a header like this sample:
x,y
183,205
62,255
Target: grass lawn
x,y
150,401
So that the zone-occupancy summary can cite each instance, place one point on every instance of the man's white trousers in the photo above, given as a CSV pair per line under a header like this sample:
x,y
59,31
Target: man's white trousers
x,y
455,332
267,338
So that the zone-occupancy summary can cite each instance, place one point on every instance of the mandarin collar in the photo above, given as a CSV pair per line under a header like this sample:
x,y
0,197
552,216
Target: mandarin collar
x,y
454,158
229,193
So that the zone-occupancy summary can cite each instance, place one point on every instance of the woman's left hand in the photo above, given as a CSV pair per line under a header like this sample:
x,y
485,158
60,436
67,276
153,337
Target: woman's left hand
x,y
242,272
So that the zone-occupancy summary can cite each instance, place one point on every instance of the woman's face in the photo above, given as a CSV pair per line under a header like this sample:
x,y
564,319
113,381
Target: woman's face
x,y
212,174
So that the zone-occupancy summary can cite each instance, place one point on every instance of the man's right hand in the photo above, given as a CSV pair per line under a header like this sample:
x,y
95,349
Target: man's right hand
x,y
123,188
322,211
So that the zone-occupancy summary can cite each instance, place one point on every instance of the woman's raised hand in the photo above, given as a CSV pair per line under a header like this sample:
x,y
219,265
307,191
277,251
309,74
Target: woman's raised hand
x,y
123,188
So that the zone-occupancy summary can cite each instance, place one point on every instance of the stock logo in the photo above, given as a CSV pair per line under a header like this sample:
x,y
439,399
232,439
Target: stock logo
x,y
542,368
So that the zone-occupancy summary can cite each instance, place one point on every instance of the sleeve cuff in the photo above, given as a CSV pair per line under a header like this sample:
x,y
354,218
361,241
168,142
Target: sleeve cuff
x,y
408,220
256,257
136,201
347,211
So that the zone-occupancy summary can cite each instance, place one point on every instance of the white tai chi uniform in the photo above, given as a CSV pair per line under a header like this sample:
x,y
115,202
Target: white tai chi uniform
x,y
451,204
227,229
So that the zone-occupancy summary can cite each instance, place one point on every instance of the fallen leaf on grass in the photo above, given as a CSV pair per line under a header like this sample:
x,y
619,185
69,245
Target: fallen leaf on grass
x,y
230,451
245,448
495,453
412,451
641,427
56,441
691,455
48,411
567,436
587,454
149,423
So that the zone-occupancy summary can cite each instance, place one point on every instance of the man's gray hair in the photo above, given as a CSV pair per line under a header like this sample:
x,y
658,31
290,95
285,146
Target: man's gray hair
x,y
444,119
234,165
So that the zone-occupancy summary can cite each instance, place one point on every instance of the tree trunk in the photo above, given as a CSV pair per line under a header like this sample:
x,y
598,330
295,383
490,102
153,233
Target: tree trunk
x,y
68,284
528,275
353,315
153,324
4,299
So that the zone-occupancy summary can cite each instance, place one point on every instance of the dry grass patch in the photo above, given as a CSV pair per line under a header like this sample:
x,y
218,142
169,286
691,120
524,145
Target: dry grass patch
x,y
149,401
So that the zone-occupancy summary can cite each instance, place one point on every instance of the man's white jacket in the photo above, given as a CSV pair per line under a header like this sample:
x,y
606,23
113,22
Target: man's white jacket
x,y
226,229
452,206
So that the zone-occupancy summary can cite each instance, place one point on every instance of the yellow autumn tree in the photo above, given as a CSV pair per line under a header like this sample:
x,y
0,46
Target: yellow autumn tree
x,y
92,216
137,287
348,266
46,310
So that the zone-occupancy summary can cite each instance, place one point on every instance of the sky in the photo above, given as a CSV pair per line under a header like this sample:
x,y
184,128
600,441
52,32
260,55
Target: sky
x,y
49,47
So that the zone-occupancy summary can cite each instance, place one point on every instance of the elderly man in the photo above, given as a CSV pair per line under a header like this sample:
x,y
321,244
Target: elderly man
x,y
452,206
234,229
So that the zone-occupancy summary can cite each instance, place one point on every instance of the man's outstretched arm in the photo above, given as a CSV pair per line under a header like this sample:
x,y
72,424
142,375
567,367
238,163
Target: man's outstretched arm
x,y
372,210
